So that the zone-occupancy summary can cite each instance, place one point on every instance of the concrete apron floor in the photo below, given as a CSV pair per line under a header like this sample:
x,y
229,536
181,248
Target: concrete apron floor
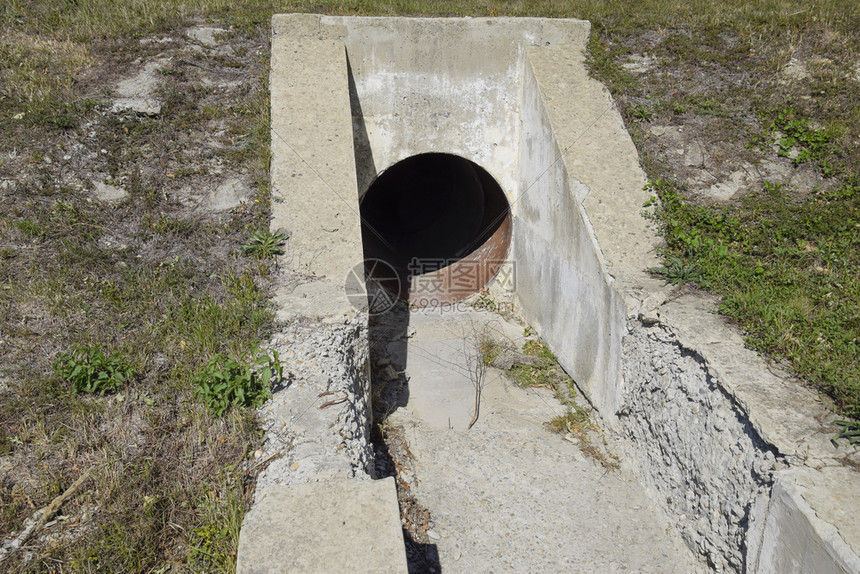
x,y
509,495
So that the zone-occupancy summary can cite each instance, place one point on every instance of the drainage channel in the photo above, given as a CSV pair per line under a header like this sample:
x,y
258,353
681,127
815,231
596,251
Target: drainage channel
x,y
506,495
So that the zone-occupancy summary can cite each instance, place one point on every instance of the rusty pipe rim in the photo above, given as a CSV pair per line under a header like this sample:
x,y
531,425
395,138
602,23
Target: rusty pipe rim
x,y
442,222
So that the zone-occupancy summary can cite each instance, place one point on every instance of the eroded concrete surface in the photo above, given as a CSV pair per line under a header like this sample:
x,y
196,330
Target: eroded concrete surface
x,y
509,495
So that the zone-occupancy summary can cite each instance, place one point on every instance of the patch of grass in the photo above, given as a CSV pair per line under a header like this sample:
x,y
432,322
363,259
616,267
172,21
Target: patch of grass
x,y
796,138
226,382
576,421
488,349
38,75
91,371
214,541
603,60
786,267
544,372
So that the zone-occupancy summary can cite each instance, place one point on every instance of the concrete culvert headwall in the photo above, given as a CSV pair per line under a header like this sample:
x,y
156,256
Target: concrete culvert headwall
x,y
441,129
441,221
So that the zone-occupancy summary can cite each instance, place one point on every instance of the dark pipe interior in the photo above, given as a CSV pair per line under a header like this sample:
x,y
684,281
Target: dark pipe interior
x,y
435,209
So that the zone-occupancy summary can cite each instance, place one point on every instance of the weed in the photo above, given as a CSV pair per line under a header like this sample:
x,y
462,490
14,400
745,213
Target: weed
x,y
264,244
91,371
226,382
641,112
796,138
485,301
541,371
539,349
576,421
677,272
31,228
488,349
850,432
485,351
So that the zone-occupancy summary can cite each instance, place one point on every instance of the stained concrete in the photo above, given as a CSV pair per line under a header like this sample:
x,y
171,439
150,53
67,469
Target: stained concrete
x,y
314,189
324,534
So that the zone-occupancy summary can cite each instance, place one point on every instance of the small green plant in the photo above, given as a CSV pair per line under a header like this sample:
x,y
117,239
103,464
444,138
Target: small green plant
x,y
676,272
485,302
488,349
641,112
798,139
575,421
542,372
226,382
91,371
264,244
850,432
539,349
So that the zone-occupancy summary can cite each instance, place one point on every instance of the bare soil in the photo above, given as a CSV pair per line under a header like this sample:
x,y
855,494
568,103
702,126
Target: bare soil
x,y
122,230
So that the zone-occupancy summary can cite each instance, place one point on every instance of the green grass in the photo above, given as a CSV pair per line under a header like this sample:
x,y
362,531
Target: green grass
x,y
786,267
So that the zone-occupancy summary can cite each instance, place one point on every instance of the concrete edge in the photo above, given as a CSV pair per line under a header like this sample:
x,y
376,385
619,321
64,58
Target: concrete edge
x,y
355,526
314,191
784,413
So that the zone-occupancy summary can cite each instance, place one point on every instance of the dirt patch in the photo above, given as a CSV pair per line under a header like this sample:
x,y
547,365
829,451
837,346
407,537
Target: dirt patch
x,y
126,192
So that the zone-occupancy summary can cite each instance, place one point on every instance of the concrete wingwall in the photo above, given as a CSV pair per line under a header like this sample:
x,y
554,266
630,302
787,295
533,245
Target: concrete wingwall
x,y
738,455
562,286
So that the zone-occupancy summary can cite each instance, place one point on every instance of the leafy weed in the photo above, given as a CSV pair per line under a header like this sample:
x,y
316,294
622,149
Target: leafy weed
x,y
226,382
264,244
91,371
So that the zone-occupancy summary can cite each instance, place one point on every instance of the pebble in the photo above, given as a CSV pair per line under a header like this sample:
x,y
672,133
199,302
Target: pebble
x,y
433,535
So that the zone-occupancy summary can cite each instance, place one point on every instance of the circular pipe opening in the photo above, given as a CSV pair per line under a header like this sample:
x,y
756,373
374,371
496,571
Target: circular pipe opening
x,y
441,222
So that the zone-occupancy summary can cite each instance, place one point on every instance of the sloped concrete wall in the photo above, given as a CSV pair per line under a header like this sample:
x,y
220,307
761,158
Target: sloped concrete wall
x,y
561,284
711,427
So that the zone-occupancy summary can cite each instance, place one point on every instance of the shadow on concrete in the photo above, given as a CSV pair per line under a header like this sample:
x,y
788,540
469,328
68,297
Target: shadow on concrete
x,y
388,331
365,169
